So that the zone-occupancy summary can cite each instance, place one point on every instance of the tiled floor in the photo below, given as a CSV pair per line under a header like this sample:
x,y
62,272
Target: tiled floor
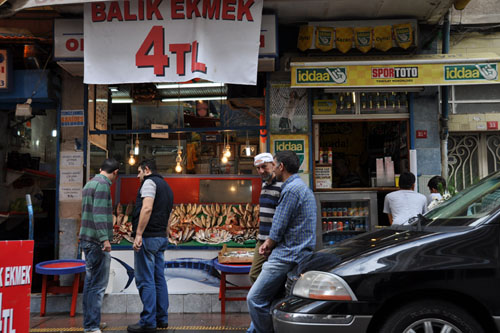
x,y
178,322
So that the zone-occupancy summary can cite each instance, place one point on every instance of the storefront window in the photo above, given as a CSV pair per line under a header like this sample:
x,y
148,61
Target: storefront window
x,y
351,150
187,135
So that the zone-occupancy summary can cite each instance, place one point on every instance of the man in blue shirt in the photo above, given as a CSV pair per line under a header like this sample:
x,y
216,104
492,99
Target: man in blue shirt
x,y
292,237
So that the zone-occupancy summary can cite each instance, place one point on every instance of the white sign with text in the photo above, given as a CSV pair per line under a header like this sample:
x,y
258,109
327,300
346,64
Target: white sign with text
x,y
172,41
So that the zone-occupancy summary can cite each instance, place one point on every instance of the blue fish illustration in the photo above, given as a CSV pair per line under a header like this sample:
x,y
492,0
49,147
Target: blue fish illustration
x,y
200,270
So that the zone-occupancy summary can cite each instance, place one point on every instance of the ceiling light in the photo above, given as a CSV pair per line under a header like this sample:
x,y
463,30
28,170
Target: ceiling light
x,y
54,133
122,100
188,85
184,99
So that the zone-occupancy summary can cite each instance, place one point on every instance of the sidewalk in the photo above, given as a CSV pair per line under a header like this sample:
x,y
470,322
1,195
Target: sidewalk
x,y
178,322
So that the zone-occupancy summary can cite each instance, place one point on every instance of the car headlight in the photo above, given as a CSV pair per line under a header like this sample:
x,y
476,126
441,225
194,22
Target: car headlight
x,y
323,286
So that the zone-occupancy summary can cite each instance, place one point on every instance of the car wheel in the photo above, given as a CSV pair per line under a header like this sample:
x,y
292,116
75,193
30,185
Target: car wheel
x,y
431,316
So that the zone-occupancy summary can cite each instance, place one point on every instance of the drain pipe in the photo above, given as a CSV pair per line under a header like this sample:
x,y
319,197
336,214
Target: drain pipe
x,y
443,134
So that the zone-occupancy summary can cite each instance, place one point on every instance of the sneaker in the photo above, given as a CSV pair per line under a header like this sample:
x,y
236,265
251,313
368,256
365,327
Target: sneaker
x,y
103,325
136,328
161,325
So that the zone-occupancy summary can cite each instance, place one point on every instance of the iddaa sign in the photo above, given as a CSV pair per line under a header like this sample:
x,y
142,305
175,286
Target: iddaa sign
x,y
471,72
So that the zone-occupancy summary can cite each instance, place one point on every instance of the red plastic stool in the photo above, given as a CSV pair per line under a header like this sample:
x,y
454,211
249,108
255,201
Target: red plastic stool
x,y
56,268
230,270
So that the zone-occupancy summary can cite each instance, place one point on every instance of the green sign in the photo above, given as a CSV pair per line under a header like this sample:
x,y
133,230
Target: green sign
x,y
471,72
335,75
297,146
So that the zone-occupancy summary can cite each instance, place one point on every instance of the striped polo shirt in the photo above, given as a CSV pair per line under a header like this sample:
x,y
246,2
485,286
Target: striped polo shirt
x,y
269,196
97,210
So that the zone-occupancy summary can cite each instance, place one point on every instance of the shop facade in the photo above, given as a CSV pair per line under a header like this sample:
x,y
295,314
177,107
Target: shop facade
x,y
355,122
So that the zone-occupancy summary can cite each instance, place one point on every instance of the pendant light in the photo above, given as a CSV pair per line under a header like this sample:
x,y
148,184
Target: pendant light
x,y
131,160
178,158
248,151
136,147
227,151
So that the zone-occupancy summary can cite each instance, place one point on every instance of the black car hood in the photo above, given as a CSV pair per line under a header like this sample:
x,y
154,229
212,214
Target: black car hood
x,y
400,249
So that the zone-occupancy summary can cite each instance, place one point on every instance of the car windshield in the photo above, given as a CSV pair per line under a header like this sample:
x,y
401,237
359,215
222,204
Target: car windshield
x,y
469,207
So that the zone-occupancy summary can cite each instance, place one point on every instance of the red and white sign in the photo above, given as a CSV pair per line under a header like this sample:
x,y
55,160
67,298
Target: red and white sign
x,y
68,39
172,41
268,42
16,264
4,70
421,134
492,125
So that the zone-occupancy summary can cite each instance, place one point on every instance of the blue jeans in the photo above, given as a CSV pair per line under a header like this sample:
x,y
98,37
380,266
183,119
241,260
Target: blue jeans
x,y
263,291
149,264
97,264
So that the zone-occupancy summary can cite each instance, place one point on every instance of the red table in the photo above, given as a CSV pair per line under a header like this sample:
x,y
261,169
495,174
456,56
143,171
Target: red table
x,y
226,269
56,268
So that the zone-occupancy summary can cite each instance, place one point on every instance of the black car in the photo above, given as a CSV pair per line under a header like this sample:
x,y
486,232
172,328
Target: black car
x,y
438,273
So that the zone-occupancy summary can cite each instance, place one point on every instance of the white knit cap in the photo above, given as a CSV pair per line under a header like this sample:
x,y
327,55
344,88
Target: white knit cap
x,y
262,158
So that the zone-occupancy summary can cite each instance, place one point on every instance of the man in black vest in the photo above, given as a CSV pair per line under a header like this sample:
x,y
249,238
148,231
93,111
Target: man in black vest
x,y
152,209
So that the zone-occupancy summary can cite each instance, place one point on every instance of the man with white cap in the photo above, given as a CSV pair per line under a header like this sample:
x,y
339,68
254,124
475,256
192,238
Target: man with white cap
x,y
269,196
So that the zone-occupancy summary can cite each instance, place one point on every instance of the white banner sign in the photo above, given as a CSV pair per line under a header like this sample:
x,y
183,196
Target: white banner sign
x,y
172,41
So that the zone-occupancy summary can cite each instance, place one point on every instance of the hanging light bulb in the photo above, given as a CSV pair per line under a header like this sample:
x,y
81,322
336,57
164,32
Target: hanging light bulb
x,y
178,160
248,151
136,147
224,159
131,160
227,151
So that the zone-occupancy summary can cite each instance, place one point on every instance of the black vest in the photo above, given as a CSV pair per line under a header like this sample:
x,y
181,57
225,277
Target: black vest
x,y
162,206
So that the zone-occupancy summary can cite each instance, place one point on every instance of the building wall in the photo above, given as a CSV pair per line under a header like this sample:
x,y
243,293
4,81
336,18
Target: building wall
x,y
426,117
70,212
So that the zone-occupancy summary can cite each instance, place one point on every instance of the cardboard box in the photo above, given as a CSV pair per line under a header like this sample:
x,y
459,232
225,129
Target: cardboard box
x,y
236,255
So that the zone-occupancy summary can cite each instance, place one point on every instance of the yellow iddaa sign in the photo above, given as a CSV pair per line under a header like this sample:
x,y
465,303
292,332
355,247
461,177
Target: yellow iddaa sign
x,y
411,71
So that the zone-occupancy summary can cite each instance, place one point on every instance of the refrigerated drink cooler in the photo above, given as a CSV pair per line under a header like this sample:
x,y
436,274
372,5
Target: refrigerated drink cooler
x,y
344,214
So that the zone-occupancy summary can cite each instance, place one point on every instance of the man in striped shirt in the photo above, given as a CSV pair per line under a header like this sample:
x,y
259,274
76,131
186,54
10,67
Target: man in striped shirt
x,y
96,232
269,195
291,239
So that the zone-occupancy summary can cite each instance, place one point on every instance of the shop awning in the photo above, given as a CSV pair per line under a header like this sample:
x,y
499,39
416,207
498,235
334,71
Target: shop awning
x,y
407,71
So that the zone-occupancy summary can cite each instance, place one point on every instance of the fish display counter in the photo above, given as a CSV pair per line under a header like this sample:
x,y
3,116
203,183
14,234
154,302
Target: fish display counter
x,y
209,213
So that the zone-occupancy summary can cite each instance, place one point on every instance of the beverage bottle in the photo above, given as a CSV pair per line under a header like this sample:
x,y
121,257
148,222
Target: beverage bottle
x,y
335,226
346,225
324,226
334,212
328,212
344,213
330,226
340,226
323,212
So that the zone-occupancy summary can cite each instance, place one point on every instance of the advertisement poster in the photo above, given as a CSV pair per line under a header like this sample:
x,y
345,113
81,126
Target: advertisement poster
x,y
16,270
288,109
297,143
417,70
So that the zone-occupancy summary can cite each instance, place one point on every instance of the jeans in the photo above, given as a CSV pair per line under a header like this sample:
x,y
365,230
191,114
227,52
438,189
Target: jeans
x,y
97,264
149,267
270,281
